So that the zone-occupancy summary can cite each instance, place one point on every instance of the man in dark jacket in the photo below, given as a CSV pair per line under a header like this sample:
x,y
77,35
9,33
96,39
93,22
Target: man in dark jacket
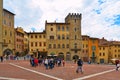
x,y
79,64
117,64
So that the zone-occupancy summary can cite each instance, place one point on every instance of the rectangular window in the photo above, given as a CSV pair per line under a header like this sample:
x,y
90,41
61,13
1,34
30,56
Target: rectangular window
x,y
9,23
75,37
103,54
58,37
58,28
31,36
67,37
40,44
119,55
62,28
44,36
9,16
31,44
63,46
75,20
58,45
39,36
83,45
51,29
54,46
36,44
10,33
4,14
51,37
67,28
5,32
93,48
63,37
4,22
35,36
67,46
31,49
44,43
50,46
100,54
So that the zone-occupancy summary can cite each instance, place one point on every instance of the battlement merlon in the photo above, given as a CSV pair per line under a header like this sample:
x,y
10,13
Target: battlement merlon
x,y
73,16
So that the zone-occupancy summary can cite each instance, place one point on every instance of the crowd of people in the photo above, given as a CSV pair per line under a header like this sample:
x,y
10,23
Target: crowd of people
x,y
49,63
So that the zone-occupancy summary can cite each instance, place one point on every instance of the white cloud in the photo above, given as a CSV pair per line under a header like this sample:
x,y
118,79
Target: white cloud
x,y
93,24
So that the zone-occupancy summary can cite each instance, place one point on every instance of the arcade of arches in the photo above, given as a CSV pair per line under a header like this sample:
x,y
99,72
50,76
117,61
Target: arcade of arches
x,y
7,52
68,56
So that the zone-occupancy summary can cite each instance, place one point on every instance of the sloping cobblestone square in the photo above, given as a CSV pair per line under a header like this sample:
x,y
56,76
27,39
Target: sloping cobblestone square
x,y
22,70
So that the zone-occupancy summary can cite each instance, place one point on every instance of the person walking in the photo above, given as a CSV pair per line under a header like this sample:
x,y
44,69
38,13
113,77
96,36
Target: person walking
x,y
46,62
79,66
1,57
63,62
32,60
35,62
117,63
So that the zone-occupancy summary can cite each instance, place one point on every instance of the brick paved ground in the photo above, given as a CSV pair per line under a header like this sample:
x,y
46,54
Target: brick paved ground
x,y
23,70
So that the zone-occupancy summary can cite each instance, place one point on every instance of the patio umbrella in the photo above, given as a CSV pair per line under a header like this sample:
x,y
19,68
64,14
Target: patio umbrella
x,y
114,59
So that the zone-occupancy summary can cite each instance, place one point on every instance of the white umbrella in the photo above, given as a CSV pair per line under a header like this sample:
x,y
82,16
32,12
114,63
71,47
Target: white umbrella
x,y
114,59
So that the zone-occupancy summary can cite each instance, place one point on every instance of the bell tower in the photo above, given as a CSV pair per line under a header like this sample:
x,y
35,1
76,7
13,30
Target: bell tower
x,y
1,12
75,37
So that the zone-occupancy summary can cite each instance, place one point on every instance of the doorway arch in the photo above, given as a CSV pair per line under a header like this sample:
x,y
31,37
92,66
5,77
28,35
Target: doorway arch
x,y
7,52
75,57
61,55
68,56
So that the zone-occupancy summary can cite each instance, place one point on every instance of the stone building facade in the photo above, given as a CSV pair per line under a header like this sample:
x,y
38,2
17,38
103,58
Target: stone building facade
x,y
62,39
19,39
1,41
7,31
37,43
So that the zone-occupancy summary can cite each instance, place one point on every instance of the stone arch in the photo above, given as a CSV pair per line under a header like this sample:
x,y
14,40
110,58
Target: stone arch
x,y
7,52
75,57
61,55
68,56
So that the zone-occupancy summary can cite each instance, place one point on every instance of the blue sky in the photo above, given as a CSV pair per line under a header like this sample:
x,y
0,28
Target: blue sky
x,y
100,18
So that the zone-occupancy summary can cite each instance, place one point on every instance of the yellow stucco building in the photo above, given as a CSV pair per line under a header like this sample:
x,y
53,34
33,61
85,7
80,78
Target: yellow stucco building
x,y
26,42
114,49
61,39
6,31
19,39
37,42
93,49
1,41
8,34
85,47
103,54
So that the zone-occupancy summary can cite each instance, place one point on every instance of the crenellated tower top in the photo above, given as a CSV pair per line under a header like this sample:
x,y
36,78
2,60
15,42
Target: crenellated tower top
x,y
73,16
